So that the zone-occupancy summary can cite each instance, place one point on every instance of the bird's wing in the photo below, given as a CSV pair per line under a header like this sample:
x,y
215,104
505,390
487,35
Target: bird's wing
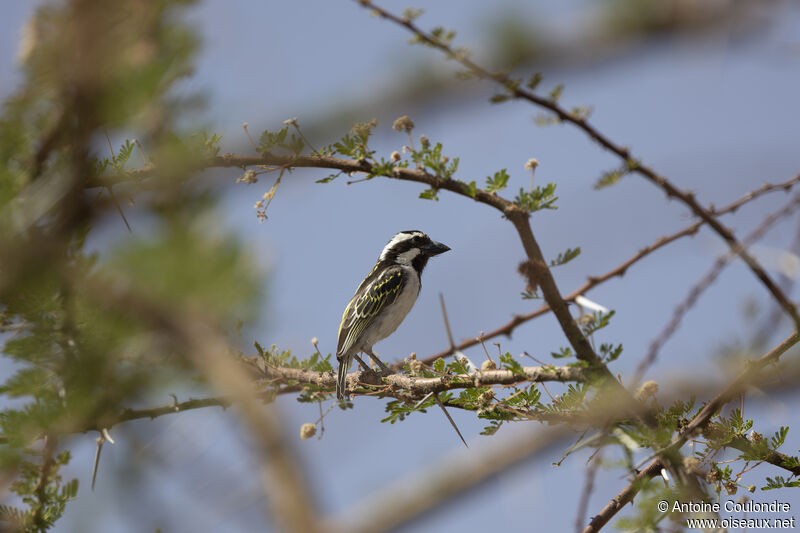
x,y
367,303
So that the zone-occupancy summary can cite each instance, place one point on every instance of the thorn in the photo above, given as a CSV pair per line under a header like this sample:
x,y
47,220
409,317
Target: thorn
x,y
450,419
107,435
103,437
175,402
99,440
423,400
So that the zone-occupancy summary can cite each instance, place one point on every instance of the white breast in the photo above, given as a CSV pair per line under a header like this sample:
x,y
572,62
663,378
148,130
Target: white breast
x,y
391,317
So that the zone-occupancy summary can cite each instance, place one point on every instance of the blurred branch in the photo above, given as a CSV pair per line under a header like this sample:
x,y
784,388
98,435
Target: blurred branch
x,y
436,485
704,283
290,501
588,486
515,89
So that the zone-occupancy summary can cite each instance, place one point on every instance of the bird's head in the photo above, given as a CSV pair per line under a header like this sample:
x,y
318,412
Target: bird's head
x,y
413,248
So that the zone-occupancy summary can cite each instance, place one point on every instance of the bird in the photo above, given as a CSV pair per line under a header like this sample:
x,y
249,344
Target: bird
x,y
383,300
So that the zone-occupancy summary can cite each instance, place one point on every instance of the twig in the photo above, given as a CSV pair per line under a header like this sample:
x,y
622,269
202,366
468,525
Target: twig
x,y
703,284
588,486
40,491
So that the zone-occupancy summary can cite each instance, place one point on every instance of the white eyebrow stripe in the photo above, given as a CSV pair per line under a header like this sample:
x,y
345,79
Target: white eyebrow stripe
x,y
400,237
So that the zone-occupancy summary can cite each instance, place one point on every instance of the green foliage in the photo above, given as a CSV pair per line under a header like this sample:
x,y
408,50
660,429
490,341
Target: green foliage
x,y
329,178
778,482
497,182
433,160
205,145
42,489
556,92
429,194
178,264
564,351
565,257
547,119
778,439
443,35
398,411
269,140
591,323
534,81
612,176
512,364
412,14
284,358
537,199
102,329
609,352
571,400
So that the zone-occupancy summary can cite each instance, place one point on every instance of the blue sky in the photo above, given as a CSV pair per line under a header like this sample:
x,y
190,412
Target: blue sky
x,y
716,114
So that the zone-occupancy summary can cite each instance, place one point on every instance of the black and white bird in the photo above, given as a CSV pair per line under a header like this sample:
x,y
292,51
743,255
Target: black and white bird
x,y
383,299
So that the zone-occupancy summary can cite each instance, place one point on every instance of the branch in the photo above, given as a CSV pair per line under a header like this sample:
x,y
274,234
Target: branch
x,y
418,386
513,87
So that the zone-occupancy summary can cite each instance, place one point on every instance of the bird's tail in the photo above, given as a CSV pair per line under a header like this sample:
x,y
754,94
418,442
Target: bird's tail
x,y
341,381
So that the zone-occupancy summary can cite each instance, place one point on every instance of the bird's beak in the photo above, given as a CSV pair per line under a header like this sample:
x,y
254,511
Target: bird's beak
x,y
436,248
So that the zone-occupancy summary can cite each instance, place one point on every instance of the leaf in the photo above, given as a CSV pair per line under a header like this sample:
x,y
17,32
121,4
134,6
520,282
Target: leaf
x,y
497,182
565,257
562,353
537,199
512,364
534,80
329,178
556,93
429,194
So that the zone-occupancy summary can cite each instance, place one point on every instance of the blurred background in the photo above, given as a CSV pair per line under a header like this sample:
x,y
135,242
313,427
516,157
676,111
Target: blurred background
x,y
704,92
